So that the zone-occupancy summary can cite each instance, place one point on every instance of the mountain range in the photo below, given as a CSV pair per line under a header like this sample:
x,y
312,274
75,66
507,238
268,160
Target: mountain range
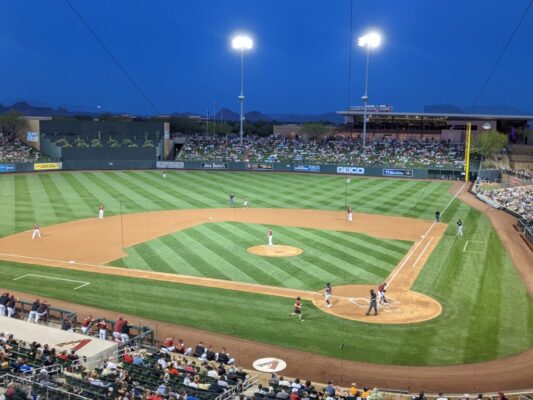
x,y
223,114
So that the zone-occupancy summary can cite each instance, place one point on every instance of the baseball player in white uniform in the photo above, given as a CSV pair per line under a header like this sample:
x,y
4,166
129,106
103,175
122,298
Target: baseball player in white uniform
x,y
36,232
245,204
350,214
327,294
459,227
101,211
348,179
269,237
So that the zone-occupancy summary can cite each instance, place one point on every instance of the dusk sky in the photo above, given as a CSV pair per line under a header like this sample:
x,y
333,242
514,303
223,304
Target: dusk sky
x,y
179,53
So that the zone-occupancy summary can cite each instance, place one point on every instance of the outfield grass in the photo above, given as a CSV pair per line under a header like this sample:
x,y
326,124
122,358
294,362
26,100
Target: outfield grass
x,y
218,250
49,198
487,312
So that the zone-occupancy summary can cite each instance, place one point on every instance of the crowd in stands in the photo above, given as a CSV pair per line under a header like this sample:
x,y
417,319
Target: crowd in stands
x,y
517,199
333,150
174,371
520,173
12,150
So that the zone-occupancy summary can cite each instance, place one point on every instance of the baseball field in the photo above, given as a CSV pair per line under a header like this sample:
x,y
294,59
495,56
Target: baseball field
x,y
174,250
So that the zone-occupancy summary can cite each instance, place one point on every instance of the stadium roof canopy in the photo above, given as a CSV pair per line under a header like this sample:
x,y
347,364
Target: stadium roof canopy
x,y
454,116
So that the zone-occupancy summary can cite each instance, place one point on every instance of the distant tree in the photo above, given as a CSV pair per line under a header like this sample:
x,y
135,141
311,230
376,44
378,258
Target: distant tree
x,y
12,122
313,130
489,144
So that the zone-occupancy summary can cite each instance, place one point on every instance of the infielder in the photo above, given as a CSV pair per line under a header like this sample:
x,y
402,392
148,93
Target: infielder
x,y
36,232
297,308
459,227
350,214
269,236
327,294
101,211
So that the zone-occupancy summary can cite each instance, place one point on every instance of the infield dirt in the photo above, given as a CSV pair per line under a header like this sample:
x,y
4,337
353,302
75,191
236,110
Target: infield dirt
x,y
87,245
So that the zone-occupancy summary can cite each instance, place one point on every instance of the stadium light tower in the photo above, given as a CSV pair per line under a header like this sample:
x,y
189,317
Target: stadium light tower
x,y
242,43
369,41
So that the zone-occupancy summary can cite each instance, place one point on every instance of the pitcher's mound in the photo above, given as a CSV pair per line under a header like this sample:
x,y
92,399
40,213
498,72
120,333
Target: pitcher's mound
x,y
276,250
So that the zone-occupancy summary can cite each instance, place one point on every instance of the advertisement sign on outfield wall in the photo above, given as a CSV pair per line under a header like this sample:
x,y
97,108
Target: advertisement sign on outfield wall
x,y
32,136
170,164
397,172
351,170
47,166
258,166
214,165
7,167
307,168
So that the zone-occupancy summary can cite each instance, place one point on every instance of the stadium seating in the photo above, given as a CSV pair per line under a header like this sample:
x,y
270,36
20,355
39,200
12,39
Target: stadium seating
x,y
412,153
12,150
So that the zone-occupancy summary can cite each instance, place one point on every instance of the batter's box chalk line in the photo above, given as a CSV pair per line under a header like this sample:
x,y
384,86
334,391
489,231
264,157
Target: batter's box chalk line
x,y
465,248
83,283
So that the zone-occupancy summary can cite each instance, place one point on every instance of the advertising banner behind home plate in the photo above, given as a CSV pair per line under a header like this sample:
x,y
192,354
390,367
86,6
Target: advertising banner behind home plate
x,y
270,364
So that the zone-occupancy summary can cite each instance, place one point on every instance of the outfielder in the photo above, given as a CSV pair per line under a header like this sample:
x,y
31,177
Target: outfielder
x,y
36,232
269,236
350,214
245,204
101,211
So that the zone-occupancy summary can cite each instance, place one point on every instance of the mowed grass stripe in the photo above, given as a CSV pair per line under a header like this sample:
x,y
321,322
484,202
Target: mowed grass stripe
x,y
239,269
7,205
151,200
172,193
179,264
401,201
359,259
322,264
391,247
76,203
24,207
231,237
98,191
313,267
196,258
82,193
263,195
151,257
124,199
485,318
58,202
353,244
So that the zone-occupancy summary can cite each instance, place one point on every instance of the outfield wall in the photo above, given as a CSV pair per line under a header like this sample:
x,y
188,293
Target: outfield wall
x,y
340,169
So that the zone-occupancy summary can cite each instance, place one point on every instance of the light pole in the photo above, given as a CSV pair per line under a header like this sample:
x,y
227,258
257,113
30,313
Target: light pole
x,y
369,41
242,43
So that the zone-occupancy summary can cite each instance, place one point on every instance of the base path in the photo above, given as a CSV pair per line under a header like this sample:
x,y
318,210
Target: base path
x,y
87,245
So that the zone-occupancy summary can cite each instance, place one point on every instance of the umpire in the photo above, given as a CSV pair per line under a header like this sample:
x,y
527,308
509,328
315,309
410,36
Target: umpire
x,y
373,303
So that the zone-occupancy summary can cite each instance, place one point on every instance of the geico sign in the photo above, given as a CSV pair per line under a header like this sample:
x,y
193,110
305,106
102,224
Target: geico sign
x,y
351,170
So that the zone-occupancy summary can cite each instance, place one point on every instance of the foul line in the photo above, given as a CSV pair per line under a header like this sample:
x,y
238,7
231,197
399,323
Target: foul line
x,y
413,249
57,279
422,253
